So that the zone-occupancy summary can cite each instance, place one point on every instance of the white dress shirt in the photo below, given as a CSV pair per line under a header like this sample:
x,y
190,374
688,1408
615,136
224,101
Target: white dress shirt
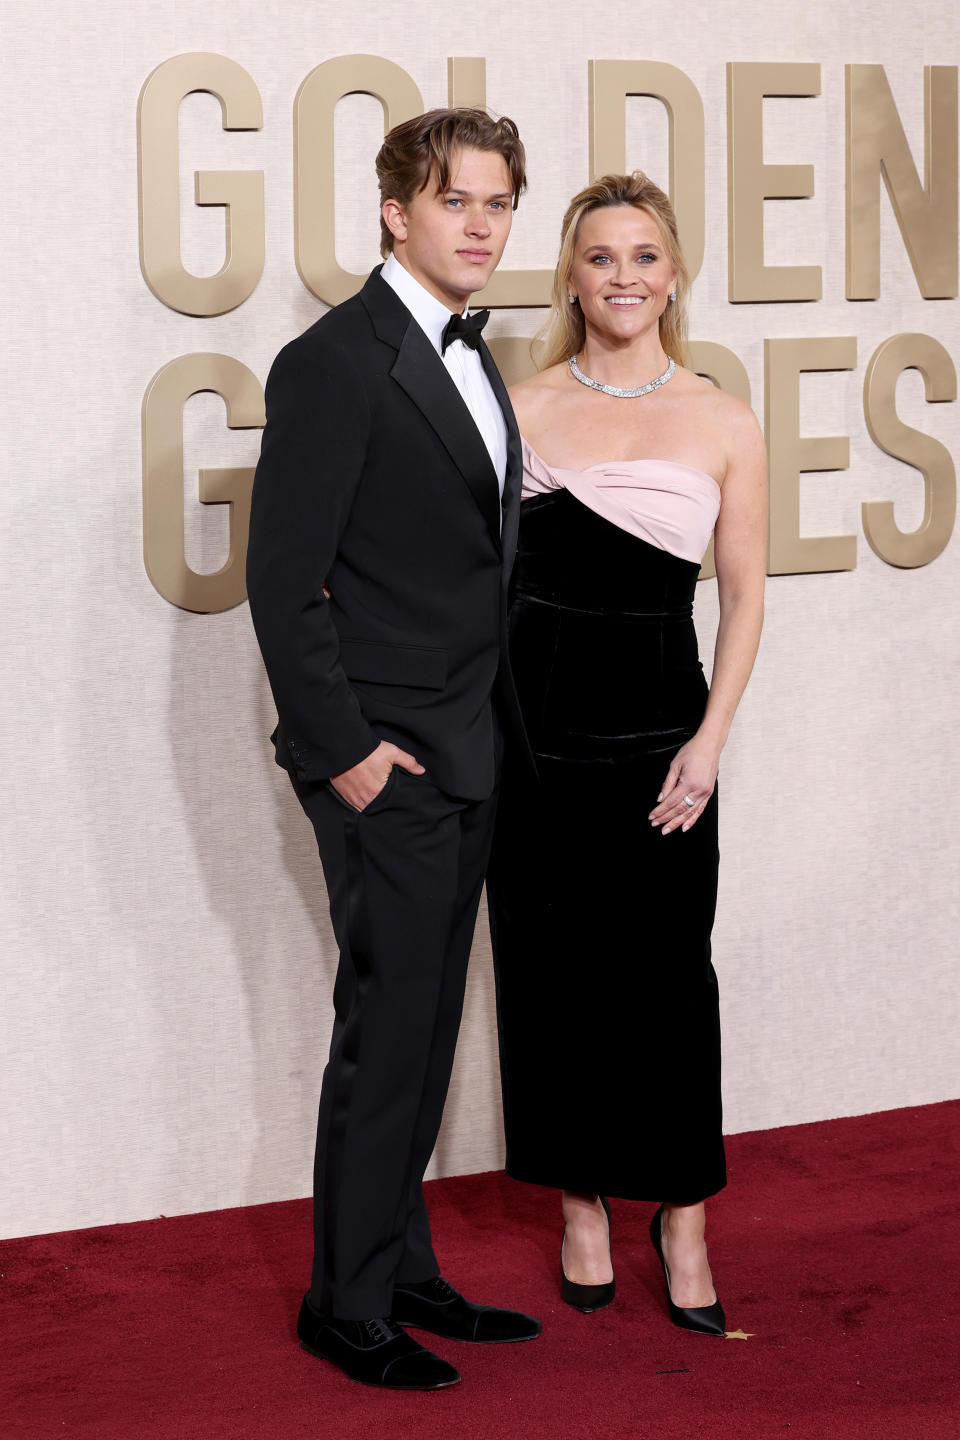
x,y
463,364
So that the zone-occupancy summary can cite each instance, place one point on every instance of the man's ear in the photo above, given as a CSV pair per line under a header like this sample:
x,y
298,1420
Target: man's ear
x,y
394,218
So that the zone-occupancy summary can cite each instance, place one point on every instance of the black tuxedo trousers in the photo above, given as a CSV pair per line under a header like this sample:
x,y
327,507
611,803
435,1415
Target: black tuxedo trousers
x,y
404,879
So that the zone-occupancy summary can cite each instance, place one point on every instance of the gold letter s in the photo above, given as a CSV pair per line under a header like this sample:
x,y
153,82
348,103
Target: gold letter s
x,y
933,460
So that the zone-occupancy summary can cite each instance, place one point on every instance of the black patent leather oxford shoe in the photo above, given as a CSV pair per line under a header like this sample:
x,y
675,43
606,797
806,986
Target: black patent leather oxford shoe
x,y
434,1305
373,1352
702,1319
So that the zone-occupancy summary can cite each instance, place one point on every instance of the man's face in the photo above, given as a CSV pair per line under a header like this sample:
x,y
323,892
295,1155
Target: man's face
x,y
452,242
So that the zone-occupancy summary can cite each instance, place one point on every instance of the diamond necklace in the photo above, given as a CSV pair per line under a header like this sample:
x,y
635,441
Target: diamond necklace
x,y
631,394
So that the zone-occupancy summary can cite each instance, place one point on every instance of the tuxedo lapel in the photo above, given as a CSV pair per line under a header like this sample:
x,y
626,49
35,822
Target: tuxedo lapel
x,y
514,475
420,372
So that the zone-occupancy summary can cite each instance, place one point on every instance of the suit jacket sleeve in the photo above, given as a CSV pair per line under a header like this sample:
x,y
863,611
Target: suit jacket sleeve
x,y
311,460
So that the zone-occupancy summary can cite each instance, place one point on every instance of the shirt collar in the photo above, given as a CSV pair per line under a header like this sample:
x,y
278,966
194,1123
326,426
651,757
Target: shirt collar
x,y
429,312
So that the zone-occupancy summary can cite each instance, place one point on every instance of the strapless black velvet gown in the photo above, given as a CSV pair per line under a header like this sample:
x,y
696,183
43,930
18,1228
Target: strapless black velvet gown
x,y
607,997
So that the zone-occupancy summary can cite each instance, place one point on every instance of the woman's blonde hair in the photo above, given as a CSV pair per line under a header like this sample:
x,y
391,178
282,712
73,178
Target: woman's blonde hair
x,y
564,332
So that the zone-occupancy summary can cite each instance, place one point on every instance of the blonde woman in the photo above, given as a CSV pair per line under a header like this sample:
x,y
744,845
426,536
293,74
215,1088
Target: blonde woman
x,y
603,881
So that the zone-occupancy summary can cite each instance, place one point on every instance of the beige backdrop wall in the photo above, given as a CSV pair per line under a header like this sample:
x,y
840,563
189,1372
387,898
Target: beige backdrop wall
x,y
167,953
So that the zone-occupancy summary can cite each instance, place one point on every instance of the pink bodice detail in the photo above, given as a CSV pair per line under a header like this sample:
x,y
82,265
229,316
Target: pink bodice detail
x,y
669,505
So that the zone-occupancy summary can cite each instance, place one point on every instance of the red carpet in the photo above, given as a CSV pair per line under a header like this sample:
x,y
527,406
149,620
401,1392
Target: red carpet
x,y
836,1246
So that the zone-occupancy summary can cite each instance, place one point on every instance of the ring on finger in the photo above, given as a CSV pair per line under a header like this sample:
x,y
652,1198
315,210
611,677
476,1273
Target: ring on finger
x,y
689,800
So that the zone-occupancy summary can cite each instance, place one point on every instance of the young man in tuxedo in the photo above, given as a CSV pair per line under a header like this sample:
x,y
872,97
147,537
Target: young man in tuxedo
x,y
382,535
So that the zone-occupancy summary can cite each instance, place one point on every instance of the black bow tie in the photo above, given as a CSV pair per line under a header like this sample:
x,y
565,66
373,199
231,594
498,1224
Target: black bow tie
x,y
464,327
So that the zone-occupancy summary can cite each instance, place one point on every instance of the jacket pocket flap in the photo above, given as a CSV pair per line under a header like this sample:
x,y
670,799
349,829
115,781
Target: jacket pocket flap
x,y
394,664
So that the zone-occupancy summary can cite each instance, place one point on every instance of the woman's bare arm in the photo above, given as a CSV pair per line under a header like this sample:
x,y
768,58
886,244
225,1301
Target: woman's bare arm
x,y
740,550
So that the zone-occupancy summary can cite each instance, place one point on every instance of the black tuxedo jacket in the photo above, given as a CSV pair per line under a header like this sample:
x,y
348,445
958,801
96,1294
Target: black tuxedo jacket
x,y
375,482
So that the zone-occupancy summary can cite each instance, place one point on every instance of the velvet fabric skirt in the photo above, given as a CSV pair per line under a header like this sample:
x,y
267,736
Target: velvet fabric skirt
x,y
607,996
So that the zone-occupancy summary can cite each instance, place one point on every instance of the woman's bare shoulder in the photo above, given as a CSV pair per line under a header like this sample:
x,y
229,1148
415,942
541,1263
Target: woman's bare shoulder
x,y
734,414
533,397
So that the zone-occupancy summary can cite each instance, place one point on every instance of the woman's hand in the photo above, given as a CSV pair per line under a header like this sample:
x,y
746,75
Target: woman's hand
x,y
692,776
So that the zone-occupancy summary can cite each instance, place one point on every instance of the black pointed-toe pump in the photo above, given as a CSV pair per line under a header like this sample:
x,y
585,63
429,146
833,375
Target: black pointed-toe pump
x,y
587,1298
704,1319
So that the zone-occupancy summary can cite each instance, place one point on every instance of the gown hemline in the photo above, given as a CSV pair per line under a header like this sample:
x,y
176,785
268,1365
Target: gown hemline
x,y
615,1193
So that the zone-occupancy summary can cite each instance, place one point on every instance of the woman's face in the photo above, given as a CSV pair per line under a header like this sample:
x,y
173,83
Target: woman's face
x,y
621,272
